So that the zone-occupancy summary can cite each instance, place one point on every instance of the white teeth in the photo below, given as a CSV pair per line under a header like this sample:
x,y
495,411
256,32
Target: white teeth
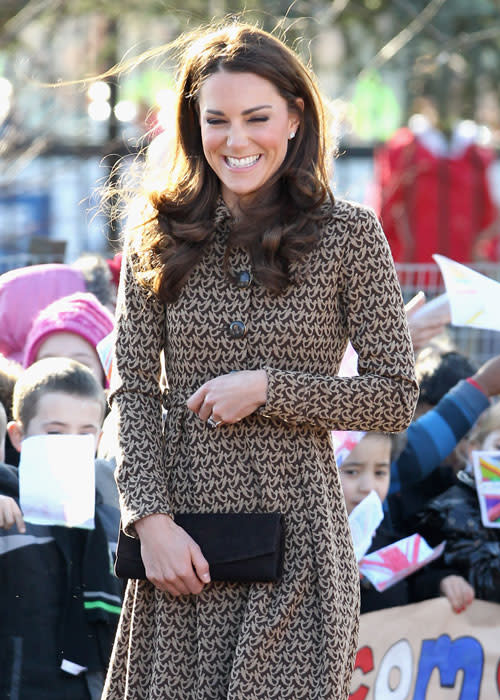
x,y
241,162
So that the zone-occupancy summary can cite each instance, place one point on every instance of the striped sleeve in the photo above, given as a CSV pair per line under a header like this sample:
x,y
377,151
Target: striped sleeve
x,y
435,435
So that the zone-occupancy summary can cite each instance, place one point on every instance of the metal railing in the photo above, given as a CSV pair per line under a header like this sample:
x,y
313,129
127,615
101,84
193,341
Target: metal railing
x,y
477,344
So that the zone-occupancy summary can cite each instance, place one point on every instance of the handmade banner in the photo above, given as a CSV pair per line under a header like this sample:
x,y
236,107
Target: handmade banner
x,y
427,652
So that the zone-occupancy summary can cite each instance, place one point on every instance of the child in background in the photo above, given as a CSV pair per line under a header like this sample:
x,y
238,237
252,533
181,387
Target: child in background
x,y
9,373
455,516
428,464
3,431
70,327
365,465
59,600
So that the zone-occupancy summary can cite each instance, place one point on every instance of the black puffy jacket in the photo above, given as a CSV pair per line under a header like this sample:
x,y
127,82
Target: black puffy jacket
x,y
471,549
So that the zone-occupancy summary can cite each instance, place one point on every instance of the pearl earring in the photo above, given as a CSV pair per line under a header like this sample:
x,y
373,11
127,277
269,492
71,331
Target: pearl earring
x,y
292,135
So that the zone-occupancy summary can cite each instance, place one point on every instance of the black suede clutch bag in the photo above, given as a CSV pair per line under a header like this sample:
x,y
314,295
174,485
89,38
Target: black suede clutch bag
x,y
239,547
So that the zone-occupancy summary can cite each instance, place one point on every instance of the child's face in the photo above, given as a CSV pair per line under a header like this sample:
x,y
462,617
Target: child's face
x,y
367,468
64,344
492,441
64,414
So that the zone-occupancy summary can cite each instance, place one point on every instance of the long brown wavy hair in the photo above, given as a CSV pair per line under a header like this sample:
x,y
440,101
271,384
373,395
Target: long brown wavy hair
x,y
281,222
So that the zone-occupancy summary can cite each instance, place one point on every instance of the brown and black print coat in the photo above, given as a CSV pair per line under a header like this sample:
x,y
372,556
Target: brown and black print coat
x,y
295,640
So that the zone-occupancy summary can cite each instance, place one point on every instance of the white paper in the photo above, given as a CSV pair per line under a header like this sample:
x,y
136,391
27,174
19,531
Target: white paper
x,y
57,480
363,521
436,310
474,299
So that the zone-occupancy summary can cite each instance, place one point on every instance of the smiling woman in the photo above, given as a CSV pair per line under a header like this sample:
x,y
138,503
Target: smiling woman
x,y
248,277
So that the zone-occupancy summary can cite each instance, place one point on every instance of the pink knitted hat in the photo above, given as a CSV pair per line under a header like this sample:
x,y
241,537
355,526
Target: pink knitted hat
x,y
80,313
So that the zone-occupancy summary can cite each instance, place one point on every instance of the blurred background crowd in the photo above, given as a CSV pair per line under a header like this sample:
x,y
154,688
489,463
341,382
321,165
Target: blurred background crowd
x,y
415,113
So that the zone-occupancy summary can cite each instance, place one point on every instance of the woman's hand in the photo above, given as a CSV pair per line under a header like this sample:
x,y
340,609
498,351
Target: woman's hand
x,y
458,591
172,559
427,320
10,513
230,397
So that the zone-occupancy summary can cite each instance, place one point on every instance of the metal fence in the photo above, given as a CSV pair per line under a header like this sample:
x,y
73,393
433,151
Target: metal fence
x,y
477,344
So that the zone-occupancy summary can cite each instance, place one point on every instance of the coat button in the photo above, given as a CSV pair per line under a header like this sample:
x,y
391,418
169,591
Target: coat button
x,y
237,329
244,279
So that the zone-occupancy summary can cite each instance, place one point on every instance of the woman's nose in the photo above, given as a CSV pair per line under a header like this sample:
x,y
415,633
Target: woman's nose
x,y
237,137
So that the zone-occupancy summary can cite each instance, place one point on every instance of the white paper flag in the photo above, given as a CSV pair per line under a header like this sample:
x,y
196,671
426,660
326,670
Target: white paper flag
x,y
363,521
474,299
57,480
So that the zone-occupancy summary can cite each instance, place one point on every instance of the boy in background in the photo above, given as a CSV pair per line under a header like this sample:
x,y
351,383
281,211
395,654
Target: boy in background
x,y
59,599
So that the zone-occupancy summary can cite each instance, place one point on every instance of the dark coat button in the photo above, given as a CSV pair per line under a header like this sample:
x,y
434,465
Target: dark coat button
x,y
244,279
237,329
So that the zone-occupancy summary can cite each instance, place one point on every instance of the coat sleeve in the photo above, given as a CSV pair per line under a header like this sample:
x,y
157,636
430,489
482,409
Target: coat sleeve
x,y
384,394
136,397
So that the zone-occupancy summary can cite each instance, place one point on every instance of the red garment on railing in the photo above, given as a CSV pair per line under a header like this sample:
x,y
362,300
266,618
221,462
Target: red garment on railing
x,y
434,203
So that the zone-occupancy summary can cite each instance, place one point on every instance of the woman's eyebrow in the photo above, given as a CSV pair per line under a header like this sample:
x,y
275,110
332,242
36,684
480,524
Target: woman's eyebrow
x,y
245,111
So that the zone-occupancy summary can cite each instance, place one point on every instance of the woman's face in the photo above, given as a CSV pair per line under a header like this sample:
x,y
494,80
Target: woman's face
x,y
64,344
245,129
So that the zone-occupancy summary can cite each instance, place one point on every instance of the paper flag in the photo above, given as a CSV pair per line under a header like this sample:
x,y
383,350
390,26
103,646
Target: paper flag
x,y
487,474
344,441
349,365
57,480
363,521
474,299
393,563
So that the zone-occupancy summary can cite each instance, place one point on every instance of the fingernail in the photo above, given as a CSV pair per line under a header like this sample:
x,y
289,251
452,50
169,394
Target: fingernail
x,y
206,578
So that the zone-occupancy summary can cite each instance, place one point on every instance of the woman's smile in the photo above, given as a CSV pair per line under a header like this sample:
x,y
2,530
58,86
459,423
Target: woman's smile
x,y
241,163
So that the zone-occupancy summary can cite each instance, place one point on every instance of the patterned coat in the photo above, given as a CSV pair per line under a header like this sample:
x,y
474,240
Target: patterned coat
x,y
295,640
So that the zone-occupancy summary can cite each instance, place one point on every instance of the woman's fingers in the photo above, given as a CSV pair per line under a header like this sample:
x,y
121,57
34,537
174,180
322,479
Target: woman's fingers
x,y
172,559
230,397
195,401
200,564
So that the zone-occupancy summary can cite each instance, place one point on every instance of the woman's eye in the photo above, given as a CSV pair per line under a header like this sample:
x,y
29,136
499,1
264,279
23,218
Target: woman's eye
x,y
213,121
259,119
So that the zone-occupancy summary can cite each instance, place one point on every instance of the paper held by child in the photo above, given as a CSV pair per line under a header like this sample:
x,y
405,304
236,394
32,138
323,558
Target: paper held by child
x,y
57,480
474,298
391,564
487,474
363,521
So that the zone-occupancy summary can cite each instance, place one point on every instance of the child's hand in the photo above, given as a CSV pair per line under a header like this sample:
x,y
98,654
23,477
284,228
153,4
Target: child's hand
x,y
10,513
458,591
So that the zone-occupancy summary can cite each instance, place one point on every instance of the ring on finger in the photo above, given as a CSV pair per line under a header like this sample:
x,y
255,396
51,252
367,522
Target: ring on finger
x,y
213,423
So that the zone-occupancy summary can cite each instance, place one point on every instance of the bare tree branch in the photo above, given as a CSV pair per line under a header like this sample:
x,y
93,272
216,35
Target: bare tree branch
x,y
471,38
31,11
395,45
